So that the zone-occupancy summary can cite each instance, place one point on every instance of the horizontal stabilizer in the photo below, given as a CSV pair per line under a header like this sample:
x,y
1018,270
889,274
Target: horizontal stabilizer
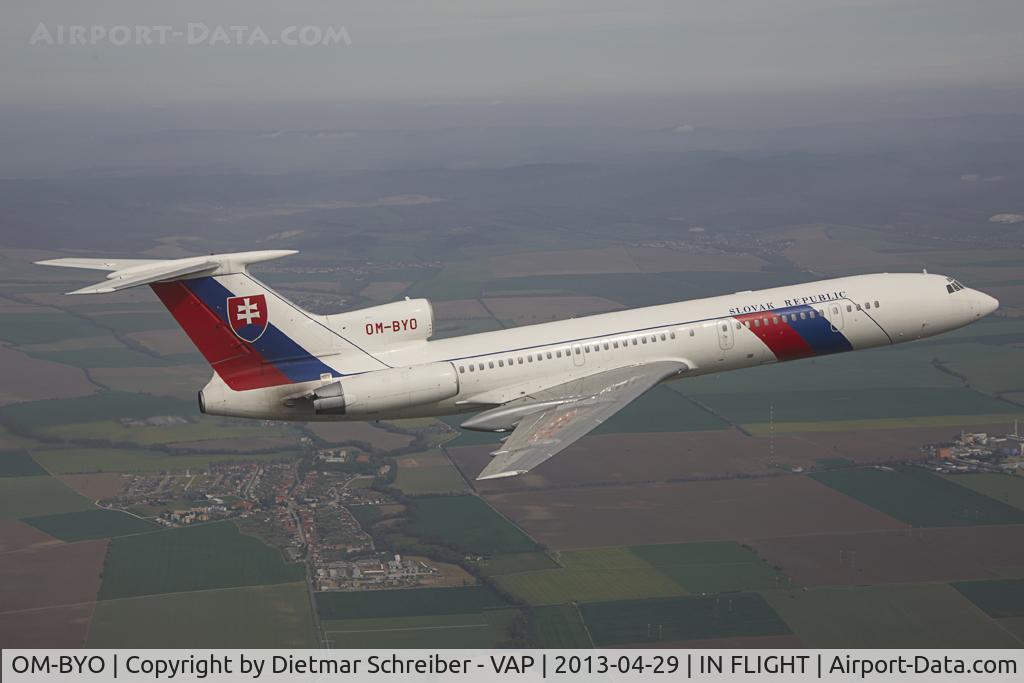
x,y
127,273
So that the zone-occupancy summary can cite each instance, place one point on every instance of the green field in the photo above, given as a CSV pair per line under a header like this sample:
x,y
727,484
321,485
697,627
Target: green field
x,y
851,404
156,435
1002,487
152,318
590,576
87,524
105,405
32,496
601,574
660,410
40,328
904,616
431,479
19,464
955,421
88,460
476,630
252,617
1001,598
557,626
919,498
467,523
680,618
988,368
410,602
517,562
192,558
712,567
102,357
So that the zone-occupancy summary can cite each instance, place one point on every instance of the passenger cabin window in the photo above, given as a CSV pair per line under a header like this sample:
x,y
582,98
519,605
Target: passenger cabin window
x,y
876,304
691,333
849,308
462,369
501,363
479,366
549,355
520,360
672,335
663,334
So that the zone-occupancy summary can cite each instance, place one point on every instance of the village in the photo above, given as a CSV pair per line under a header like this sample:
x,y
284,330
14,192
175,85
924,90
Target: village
x,y
306,511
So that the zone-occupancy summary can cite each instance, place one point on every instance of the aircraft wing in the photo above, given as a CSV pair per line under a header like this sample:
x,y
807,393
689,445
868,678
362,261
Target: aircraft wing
x,y
570,411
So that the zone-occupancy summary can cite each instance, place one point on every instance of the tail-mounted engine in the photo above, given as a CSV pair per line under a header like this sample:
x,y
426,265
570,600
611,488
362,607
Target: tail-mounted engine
x,y
387,390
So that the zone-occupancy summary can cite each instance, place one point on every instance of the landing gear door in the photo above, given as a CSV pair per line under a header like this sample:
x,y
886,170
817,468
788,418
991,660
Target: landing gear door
x,y
834,313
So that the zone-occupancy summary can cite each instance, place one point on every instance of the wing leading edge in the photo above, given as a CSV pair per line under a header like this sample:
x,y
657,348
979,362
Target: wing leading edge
x,y
574,409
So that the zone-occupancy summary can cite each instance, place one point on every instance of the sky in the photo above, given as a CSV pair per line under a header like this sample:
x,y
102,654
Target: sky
x,y
383,50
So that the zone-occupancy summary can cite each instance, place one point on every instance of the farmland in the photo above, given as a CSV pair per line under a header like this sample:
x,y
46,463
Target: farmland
x,y
907,616
164,562
412,602
682,618
74,460
517,562
591,575
1004,488
254,616
687,512
468,523
713,567
998,599
30,496
898,556
558,626
18,463
52,575
476,630
920,498
428,473
88,524
698,516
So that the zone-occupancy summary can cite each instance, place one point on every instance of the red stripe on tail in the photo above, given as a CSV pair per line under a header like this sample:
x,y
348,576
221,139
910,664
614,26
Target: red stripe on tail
x,y
238,364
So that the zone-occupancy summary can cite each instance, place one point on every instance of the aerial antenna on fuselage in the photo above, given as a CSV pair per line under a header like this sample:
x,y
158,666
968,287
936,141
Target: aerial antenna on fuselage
x,y
924,270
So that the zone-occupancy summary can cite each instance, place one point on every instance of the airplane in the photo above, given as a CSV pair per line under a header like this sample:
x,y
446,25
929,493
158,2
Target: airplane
x,y
548,384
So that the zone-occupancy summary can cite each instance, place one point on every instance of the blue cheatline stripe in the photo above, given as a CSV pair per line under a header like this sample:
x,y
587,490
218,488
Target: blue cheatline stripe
x,y
277,348
816,331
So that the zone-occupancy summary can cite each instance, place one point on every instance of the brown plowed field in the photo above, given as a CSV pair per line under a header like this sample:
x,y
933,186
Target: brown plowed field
x,y
680,456
16,535
65,574
64,626
683,512
94,486
337,432
909,555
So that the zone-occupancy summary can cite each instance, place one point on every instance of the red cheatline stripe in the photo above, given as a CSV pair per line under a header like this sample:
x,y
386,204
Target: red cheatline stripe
x,y
780,338
237,363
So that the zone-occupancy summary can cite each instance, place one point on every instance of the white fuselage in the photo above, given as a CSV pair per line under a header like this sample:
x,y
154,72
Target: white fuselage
x,y
709,335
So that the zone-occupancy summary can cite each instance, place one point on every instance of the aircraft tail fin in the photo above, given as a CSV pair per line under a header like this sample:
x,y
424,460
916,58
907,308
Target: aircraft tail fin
x,y
251,335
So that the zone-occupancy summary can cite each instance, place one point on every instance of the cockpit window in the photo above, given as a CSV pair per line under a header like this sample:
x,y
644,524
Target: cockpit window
x,y
954,286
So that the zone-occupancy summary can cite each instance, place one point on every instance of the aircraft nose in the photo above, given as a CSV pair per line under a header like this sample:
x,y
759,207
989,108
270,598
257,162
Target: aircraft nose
x,y
985,304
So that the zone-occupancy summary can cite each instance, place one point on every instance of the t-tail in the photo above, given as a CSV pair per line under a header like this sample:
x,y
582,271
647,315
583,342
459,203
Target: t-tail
x,y
253,337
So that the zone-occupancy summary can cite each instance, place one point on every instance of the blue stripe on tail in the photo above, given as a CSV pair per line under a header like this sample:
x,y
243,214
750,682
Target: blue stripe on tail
x,y
276,347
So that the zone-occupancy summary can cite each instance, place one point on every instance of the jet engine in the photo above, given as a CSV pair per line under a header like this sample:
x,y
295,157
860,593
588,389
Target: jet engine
x,y
387,390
